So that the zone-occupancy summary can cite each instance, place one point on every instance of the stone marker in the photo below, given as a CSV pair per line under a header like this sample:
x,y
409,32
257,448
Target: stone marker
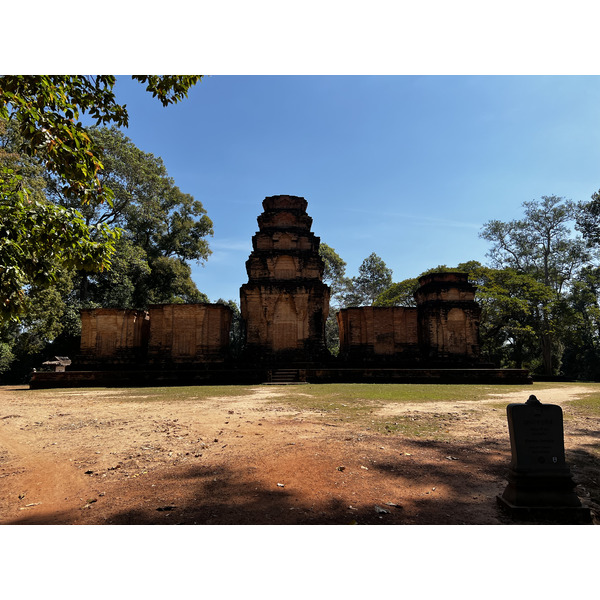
x,y
58,364
540,486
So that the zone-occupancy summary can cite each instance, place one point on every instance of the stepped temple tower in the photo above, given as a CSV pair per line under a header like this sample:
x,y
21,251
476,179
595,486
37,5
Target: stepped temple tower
x,y
285,303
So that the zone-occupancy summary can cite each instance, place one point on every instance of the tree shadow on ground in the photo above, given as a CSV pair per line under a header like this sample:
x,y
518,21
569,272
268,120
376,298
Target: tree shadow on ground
x,y
398,491
471,478
428,482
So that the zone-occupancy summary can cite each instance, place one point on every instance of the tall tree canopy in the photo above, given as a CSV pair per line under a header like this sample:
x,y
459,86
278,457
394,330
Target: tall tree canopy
x,y
161,227
399,294
334,274
47,110
581,357
588,220
40,238
510,303
373,278
542,247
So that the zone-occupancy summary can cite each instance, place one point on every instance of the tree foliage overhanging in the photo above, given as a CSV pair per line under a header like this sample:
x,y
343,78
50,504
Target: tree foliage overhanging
x,y
41,237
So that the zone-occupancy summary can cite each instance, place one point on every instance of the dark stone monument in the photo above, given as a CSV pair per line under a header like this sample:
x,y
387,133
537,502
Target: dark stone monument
x,y
540,486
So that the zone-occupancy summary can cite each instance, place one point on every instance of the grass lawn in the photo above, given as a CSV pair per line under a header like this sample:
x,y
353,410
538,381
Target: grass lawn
x,y
357,402
324,396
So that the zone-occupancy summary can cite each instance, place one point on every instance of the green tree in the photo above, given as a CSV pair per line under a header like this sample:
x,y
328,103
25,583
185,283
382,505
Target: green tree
x,y
237,335
588,220
150,209
6,356
31,339
39,239
161,229
402,293
334,275
399,294
124,285
47,111
581,358
12,158
373,278
147,266
510,313
170,281
542,247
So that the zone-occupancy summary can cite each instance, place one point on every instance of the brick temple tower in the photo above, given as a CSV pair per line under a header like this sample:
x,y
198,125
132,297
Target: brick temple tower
x,y
285,302
448,318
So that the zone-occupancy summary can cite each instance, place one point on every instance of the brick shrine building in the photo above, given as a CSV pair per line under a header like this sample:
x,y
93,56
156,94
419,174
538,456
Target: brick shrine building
x,y
188,334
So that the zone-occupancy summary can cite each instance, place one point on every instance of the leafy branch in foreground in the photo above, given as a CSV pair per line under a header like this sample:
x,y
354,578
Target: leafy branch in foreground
x,y
39,237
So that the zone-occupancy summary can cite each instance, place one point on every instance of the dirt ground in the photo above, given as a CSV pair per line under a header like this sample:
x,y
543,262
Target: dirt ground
x,y
89,457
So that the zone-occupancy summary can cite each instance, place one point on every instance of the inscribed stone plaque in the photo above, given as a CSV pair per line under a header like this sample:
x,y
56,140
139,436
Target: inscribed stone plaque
x,y
536,435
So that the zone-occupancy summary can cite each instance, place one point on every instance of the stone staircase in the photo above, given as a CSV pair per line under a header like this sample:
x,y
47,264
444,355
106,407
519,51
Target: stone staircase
x,y
284,377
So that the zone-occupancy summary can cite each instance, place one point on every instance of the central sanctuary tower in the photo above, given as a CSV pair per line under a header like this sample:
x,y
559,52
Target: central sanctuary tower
x,y
285,303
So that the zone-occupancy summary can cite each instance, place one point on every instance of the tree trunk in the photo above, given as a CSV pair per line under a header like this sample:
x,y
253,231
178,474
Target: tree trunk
x,y
547,344
518,354
84,287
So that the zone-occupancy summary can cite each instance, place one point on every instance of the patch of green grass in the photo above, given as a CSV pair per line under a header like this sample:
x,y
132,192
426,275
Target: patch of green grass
x,y
590,404
162,394
327,396
407,392
189,393
411,426
356,402
346,400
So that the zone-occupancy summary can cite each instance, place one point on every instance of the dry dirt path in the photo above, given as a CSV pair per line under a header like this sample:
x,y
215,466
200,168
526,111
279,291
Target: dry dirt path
x,y
109,457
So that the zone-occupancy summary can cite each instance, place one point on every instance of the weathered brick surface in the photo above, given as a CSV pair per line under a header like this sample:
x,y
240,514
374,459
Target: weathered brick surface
x,y
166,333
448,317
443,327
112,334
285,302
378,331
189,333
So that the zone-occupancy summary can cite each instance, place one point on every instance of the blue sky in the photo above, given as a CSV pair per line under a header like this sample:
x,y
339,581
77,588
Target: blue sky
x,y
408,167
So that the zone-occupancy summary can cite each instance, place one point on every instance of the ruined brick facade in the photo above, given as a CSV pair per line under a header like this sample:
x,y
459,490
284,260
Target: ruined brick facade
x,y
285,302
188,333
284,308
112,335
370,332
165,334
443,328
448,317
